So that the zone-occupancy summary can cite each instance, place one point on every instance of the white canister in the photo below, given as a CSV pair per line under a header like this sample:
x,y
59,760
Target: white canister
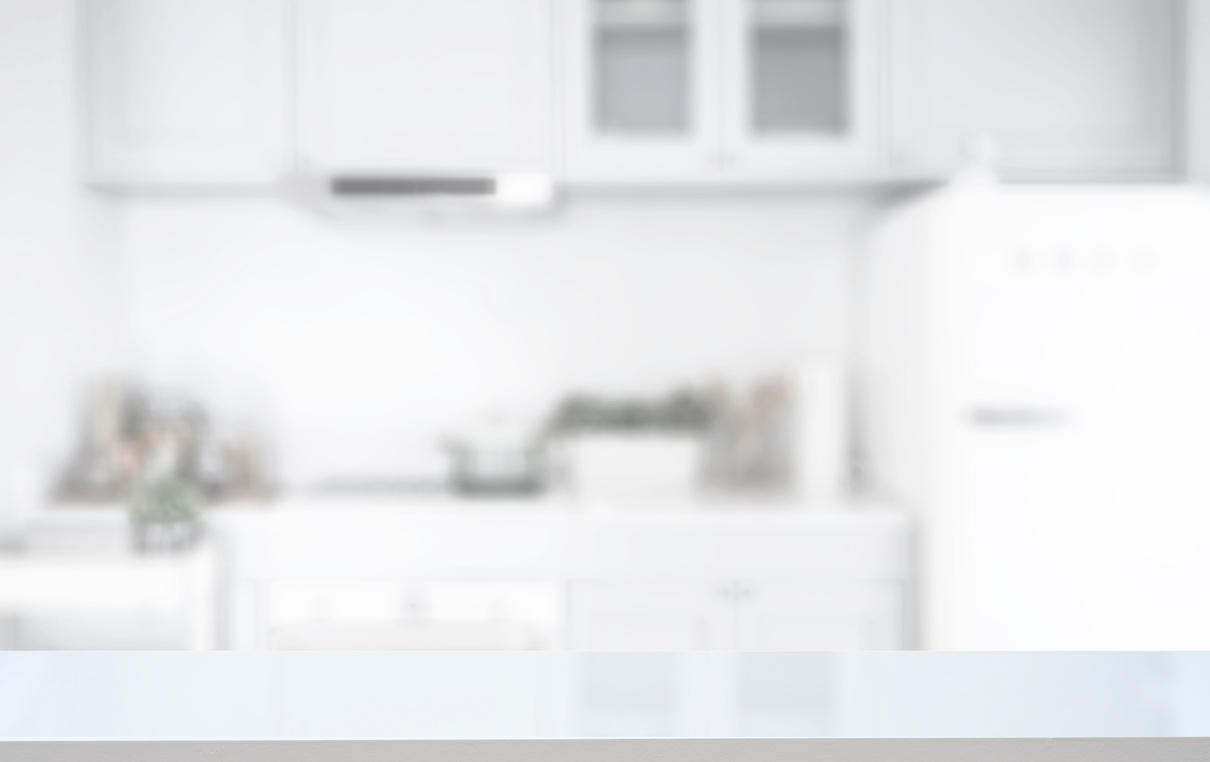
x,y
822,432
633,466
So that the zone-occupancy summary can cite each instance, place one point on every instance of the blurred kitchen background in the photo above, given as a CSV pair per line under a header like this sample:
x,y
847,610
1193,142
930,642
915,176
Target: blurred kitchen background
x,y
604,324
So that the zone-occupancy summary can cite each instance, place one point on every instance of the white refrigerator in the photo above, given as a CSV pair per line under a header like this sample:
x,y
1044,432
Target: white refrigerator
x,y
1035,373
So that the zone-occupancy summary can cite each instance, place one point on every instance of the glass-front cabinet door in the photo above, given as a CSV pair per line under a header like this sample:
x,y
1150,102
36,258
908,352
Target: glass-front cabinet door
x,y
667,90
640,94
801,87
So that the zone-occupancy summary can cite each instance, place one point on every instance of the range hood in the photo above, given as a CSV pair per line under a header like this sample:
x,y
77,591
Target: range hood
x,y
506,192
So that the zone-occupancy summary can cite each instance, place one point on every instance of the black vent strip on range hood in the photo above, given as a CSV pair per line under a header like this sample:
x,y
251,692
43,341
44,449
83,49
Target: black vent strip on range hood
x,y
353,185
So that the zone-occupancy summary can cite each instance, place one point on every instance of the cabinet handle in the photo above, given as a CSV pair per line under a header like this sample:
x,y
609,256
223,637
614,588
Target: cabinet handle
x,y
1017,417
735,592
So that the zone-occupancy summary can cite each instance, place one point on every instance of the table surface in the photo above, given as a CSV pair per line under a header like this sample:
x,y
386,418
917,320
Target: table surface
x,y
624,750
570,695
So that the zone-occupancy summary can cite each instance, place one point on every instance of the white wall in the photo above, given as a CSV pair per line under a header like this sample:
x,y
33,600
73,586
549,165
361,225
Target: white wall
x,y
358,344
58,269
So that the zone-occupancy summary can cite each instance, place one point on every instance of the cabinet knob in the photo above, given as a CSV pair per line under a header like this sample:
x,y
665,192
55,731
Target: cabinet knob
x,y
413,607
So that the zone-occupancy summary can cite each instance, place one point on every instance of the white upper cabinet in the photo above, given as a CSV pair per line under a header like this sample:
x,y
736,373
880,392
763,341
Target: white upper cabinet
x,y
1066,89
640,92
236,93
184,93
424,85
719,89
800,80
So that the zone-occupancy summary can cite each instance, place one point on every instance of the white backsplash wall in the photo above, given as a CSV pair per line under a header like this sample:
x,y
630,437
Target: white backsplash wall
x,y
59,284
357,344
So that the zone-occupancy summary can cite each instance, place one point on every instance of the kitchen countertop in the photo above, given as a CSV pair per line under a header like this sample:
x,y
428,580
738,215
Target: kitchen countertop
x,y
517,538
729,506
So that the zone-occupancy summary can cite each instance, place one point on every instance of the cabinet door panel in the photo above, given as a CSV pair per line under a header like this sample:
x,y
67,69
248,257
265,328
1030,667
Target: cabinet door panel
x,y
640,89
182,92
1066,88
802,87
819,616
415,84
623,616
427,615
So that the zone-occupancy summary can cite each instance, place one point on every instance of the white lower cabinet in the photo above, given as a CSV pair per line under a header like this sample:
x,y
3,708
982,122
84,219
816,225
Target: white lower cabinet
x,y
818,616
425,615
396,578
594,616
647,616
746,616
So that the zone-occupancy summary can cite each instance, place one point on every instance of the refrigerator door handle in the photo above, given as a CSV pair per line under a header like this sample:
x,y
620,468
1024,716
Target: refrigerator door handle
x,y
1017,417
